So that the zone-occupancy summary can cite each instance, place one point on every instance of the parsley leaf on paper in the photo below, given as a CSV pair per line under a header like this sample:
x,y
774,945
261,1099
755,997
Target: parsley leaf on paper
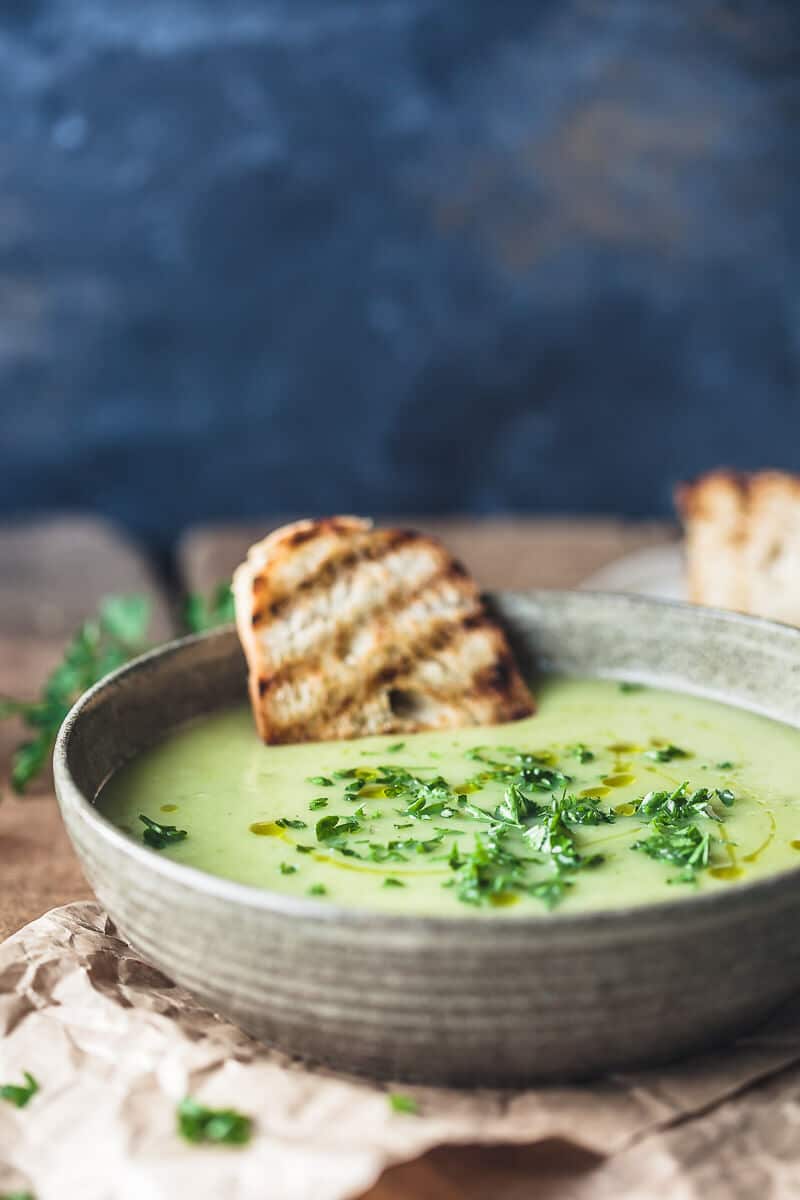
x,y
20,1093
224,1126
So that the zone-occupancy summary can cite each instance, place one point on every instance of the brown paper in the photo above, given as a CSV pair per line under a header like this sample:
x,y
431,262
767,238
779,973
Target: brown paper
x,y
115,1045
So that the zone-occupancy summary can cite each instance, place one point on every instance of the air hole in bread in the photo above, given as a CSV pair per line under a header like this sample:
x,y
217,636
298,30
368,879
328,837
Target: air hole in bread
x,y
406,703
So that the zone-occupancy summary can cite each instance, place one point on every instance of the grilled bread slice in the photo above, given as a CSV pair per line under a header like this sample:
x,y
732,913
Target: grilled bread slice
x,y
350,630
743,542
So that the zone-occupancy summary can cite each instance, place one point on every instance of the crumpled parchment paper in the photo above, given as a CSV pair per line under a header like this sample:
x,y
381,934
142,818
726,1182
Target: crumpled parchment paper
x,y
115,1045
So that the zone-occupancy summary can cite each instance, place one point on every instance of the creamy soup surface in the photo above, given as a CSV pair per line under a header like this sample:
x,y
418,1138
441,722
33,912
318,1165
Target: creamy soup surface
x,y
611,795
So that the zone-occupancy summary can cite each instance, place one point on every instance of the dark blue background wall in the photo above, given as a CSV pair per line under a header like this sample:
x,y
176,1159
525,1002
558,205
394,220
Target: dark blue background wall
x,y
394,255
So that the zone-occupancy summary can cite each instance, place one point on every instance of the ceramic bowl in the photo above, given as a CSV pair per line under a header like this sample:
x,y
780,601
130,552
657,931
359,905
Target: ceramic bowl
x,y
442,1000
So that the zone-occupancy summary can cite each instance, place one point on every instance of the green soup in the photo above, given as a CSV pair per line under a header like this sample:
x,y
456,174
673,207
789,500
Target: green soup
x,y
610,796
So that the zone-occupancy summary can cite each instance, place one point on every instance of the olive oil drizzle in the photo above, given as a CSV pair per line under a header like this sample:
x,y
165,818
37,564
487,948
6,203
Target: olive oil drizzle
x,y
732,870
754,855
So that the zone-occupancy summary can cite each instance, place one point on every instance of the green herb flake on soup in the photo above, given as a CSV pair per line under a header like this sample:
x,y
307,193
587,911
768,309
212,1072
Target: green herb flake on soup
x,y
606,798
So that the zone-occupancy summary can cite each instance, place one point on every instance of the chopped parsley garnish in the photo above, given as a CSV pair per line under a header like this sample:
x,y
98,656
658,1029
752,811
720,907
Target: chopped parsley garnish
x,y
529,843
516,806
584,810
318,889
334,827
583,753
551,891
670,808
320,802
489,870
725,766
676,837
320,780
290,823
521,833
395,747
399,1102
221,1125
525,769
158,836
627,688
556,840
288,869
20,1094
666,753
684,846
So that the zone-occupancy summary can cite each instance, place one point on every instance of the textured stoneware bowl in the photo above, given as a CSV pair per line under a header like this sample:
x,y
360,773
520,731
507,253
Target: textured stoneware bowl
x,y
452,1001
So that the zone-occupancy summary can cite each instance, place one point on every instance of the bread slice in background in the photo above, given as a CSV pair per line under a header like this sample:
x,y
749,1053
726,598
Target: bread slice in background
x,y
743,542
350,630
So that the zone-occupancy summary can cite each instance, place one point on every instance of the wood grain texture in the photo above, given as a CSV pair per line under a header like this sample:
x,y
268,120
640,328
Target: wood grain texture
x,y
52,575
502,552
53,572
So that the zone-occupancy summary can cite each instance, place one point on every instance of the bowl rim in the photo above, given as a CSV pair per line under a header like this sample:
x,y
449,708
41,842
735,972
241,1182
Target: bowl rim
x,y
611,921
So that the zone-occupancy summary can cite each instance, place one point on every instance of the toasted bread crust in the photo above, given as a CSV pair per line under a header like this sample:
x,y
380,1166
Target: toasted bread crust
x,y
350,630
743,541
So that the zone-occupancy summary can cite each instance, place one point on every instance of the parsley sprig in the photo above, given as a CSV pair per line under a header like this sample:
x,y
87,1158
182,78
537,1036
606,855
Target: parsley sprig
x,y
207,612
115,635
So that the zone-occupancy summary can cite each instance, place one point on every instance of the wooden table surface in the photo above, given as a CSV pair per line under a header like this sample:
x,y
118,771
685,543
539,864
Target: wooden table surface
x,y
52,574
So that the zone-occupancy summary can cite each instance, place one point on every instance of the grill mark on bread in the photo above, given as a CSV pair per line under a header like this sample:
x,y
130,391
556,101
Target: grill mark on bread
x,y
477,620
339,638
346,560
435,641
496,677
300,536
440,636
315,529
